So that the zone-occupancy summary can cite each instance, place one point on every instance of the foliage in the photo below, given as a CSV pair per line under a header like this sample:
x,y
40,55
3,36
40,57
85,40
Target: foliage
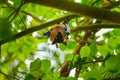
x,y
26,54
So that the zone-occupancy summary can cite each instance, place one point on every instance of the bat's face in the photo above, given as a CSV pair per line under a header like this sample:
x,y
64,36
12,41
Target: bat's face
x,y
58,34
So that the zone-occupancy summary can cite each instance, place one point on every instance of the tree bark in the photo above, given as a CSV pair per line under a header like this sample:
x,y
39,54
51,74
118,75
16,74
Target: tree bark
x,y
81,9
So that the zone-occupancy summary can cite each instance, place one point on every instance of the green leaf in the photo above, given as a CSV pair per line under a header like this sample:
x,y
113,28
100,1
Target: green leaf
x,y
71,45
5,12
50,76
84,1
12,48
70,78
104,50
45,65
35,68
35,65
62,46
67,78
112,42
56,75
91,79
116,32
76,61
117,51
89,2
113,63
23,66
5,30
72,23
30,77
93,49
92,75
30,7
68,57
17,3
101,68
37,73
85,51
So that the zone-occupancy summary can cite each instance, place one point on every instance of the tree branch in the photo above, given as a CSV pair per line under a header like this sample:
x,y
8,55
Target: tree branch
x,y
34,17
94,61
25,12
95,26
80,9
64,69
39,27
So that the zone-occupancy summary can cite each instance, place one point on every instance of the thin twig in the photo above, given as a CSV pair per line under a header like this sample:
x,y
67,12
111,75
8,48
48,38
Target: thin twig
x,y
25,12
22,21
94,61
34,17
16,11
94,2
8,75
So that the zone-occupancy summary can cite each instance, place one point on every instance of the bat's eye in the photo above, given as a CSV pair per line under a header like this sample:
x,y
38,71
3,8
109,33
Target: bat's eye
x,y
65,29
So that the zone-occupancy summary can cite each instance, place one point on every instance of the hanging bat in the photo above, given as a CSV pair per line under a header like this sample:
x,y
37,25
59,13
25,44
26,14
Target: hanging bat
x,y
59,33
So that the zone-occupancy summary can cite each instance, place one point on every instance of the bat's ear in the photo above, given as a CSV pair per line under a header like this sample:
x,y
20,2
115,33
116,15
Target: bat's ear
x,y
66,21
67,27
47,34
